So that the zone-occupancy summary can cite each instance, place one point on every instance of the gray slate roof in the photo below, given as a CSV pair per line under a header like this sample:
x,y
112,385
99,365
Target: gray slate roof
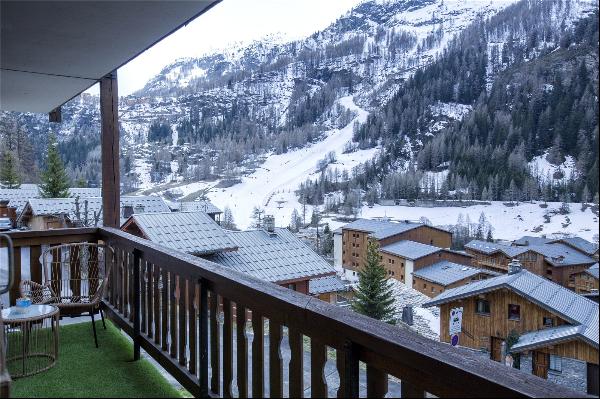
x,y
66,206
593,271
531,240
381,229
199,206
557,254
192,232
18,197
446,272
273,257
581,244
570,306
321,285
546,337
410,249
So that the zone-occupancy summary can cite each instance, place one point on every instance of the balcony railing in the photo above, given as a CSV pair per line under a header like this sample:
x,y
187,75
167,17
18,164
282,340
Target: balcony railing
x,y
184,312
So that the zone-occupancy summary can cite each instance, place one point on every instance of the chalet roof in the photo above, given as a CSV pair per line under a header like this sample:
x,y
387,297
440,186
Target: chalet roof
x,y
192,232
547,336
593,271
332,283
579,243
381,229
410,249
557,254
492,247
66,206
557,299
531,240
446,272
18,197
199,206
53,50
274,257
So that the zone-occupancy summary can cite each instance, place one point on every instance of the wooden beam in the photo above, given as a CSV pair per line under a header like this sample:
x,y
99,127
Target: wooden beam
x,y
109,115
55,115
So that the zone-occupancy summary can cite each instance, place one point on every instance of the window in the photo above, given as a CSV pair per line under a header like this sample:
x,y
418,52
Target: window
x,y
555,363
483,307
402,264
424,285
514,312
292,287
432,289
548,322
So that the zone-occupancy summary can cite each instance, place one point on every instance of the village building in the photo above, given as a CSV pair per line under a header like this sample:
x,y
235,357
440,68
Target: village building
x,y
18,197
402,258
355,236
555,261
195,233
331,289
586,282
556,330
56,213
441,276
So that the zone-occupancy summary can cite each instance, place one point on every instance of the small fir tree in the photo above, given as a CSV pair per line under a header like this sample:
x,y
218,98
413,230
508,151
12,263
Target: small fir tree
x,y
9,175
55,181
374,296
228,223
490,237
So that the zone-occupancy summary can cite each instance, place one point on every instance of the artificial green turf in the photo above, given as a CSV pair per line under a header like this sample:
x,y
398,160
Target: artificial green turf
x,y
82,371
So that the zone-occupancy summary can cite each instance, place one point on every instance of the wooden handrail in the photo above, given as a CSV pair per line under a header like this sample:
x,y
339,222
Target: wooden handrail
x,y
169,303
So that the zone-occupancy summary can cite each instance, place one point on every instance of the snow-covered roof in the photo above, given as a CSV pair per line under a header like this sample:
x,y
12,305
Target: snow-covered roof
x,y
570,306
410,249
531,240
446,272
18,197
192,232
381,229
275,257
491,248
331,283
579,243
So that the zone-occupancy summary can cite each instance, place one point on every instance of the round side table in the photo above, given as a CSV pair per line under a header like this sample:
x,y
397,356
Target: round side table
x,y
31,339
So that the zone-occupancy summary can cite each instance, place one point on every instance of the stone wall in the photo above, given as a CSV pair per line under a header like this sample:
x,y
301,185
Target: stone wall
x,y
573,375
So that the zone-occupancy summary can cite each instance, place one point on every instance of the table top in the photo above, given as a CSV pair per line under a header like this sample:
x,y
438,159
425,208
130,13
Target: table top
x,y
32,312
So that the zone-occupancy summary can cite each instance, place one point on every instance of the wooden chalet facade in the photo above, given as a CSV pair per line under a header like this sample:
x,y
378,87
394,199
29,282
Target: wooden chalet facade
x,y
586,282
444,275
550,320
355,237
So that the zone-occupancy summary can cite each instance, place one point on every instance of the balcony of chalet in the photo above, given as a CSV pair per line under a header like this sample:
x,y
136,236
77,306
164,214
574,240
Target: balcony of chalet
x,y
199,321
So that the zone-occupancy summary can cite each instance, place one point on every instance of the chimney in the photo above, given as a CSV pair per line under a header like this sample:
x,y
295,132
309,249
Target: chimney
x,y
514,266
8,212
139,208
269,224
127,211
407,315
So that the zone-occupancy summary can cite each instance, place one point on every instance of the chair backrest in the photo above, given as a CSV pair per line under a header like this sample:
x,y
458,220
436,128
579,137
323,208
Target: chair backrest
x,y
77,272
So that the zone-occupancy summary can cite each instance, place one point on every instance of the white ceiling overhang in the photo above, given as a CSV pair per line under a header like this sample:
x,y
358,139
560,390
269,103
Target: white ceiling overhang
x,y
51,51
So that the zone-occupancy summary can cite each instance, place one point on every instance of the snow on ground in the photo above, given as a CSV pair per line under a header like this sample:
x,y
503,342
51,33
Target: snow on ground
x,y
543,169
509,223
452,110
273,184
426,321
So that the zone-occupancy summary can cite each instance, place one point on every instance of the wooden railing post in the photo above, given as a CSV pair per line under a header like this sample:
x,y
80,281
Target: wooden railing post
x,y
136,303
408,390
347,363
377,382
203,338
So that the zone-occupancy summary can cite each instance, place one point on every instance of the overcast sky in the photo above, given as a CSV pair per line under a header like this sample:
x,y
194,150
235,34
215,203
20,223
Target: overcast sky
x,y
229,22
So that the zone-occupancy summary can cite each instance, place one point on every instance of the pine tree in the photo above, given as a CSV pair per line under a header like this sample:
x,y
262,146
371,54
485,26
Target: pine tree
x,y
374,296
489,237
9,176
228,223
55,181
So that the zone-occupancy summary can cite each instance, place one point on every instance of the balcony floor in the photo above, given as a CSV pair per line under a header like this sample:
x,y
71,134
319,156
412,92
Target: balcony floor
x,y
84,371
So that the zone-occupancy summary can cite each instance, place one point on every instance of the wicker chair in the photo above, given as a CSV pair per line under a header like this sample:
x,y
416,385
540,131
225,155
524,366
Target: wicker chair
x,y
75,279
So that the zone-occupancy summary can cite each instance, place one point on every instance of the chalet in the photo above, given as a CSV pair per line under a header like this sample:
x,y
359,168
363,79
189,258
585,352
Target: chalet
x,y
331,289
441,276
555,261
404,257
577,243
201,206
557,329
53,213
274,255
355,236
195,233
586,282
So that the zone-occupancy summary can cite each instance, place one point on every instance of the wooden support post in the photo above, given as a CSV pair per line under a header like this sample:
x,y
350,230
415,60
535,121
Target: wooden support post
x,y
109,115
55,115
